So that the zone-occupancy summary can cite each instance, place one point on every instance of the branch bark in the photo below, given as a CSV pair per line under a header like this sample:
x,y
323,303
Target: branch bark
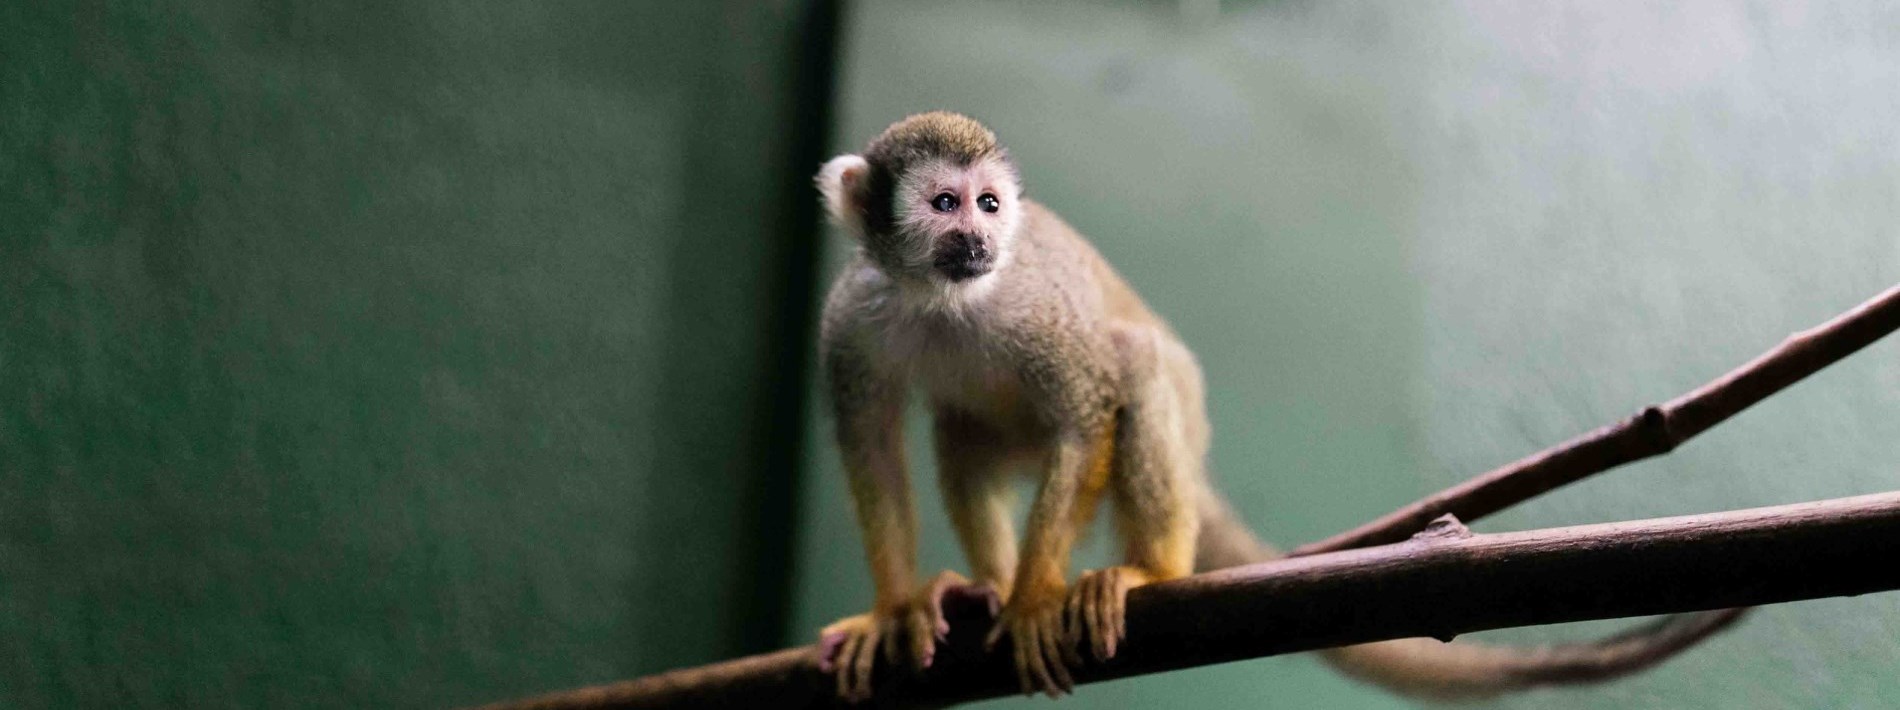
x,y
1654,430
1332,594
1432,585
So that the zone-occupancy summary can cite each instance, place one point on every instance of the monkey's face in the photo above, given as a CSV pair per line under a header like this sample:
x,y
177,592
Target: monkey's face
x,y
955,223
941,221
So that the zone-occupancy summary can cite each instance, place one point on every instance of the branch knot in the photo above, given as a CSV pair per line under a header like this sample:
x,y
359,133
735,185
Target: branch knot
x,y
1443,527
1652,425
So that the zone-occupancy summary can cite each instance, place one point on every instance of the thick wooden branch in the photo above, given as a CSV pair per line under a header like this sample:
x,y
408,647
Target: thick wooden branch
x,y
1433,585
1655,430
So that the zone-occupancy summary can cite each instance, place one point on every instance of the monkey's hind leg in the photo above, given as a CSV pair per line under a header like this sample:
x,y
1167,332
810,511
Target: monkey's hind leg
x,y
972,473
1156,468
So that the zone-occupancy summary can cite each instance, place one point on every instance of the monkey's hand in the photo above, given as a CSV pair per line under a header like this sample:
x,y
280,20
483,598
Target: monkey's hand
x,y
1033,620
1097,608
907,632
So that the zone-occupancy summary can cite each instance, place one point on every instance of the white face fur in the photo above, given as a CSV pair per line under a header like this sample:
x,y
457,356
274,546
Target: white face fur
x,y
953,227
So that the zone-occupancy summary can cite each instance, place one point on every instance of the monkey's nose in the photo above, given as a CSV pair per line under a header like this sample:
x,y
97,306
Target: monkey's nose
x,y
964,255
975,245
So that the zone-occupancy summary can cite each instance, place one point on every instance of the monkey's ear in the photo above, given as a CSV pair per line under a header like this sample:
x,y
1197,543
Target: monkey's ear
x,y
841,182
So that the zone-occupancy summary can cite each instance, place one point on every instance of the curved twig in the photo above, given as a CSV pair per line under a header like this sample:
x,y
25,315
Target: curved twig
x,y
1653,431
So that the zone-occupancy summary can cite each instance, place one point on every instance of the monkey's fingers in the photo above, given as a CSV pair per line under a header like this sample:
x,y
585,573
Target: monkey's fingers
x,y
847,658
1126,578
1123,583
1032,640
1031,643
1022,666
1072,631
918,631
991,598
892,640
828,645
832,640
862,664
1114,606
1101,597
1101,643
1074,623
995,635
1053,655
933,597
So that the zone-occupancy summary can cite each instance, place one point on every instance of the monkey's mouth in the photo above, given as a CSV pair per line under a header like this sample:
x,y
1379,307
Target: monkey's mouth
x,y
964,256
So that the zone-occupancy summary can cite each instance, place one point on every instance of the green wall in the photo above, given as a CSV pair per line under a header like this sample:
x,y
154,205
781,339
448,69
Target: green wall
x,y
1411,241
1627,202
395,354
416,354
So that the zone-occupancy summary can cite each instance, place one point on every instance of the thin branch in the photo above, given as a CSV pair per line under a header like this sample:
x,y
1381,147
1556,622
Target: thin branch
x,y
1434,585
1431,587
1653,431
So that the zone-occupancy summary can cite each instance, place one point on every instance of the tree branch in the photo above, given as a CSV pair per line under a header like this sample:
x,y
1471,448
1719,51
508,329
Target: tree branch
x,y
1655,430
1434,585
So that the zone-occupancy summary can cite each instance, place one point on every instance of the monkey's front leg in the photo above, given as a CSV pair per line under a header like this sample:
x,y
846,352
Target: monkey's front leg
x,y
1033,617
904,620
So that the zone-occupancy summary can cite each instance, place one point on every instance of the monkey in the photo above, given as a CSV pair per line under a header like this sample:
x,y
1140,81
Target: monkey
x,y
1033,355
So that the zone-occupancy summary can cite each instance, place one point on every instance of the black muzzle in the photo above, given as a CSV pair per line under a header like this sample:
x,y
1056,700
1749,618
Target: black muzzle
x,y
962,256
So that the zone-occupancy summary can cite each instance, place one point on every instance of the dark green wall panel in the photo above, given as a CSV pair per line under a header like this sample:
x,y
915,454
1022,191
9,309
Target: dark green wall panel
x,y
371,354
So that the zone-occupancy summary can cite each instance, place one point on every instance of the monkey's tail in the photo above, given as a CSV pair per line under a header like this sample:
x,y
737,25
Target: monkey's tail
x,y
1428,668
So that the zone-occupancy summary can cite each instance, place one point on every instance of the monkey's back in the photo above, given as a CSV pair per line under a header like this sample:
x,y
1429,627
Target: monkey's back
x,y
1120,305
1051,237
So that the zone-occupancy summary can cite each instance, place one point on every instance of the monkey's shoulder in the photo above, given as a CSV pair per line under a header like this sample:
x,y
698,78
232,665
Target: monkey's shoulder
x,y
1069,264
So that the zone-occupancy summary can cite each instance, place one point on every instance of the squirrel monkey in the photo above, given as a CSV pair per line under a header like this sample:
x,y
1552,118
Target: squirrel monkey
x,y
1033,354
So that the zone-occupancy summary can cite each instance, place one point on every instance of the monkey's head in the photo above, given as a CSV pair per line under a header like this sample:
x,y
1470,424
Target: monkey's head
x,y
932,200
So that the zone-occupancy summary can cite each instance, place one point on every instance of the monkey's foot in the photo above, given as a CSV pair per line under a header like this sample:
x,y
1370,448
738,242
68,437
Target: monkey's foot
x,y
926,614
1033,620
842,652
1097,608
849,647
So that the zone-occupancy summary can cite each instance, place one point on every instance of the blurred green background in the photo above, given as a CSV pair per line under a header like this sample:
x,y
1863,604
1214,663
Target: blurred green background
x,y
419,354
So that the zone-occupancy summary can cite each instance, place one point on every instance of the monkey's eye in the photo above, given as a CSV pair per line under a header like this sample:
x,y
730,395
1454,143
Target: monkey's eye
x,y
988,203
944,202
